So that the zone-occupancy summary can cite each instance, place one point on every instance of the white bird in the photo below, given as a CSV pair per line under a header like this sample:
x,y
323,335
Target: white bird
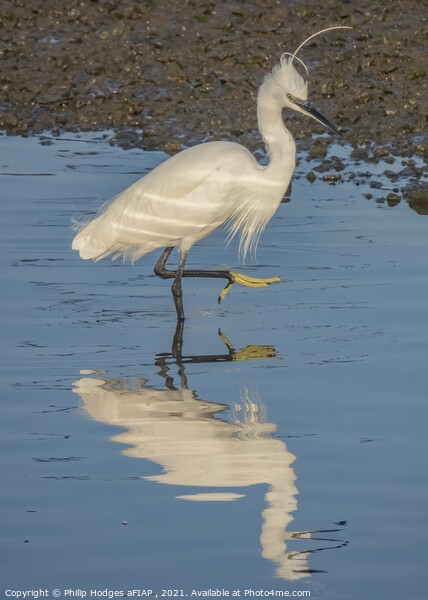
x,y
192,193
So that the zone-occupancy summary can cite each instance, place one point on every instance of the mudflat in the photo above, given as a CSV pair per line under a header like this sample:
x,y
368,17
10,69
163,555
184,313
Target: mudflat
x,y
165,74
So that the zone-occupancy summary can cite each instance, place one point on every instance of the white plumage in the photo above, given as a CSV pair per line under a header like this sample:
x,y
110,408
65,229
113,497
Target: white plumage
x,y
184,199
192,193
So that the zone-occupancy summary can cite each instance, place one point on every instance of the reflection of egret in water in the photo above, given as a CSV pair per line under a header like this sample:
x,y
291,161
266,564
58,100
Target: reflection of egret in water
x,y
175,429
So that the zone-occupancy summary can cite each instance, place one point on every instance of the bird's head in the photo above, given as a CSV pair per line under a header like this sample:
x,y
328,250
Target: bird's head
x,y
291,90
294,90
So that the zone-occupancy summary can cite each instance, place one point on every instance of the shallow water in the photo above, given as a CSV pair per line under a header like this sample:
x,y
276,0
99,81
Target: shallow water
x,y
286,452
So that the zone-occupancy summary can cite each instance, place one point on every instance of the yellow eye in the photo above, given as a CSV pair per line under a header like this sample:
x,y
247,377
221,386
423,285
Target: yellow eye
x,y
290,97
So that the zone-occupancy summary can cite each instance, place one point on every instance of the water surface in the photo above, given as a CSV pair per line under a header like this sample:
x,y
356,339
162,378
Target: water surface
x,y
286,451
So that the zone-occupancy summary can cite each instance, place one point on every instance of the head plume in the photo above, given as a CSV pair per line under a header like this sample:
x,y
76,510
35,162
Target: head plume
x,y
294,54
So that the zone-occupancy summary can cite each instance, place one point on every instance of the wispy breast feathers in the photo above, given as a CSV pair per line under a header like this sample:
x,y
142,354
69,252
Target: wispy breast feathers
x,y
252,213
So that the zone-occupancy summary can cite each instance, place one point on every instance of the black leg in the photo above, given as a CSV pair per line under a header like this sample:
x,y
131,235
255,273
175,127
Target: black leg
x,y
177,293
177,343
162,271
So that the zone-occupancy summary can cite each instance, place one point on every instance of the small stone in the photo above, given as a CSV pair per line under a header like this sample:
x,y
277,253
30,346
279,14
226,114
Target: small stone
x,y
317,150
418,200
418,195
8,119
332,178
172,147
149,133
393,199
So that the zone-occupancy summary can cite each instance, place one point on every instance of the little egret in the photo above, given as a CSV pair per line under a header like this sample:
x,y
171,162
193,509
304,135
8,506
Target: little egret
x,y
192,193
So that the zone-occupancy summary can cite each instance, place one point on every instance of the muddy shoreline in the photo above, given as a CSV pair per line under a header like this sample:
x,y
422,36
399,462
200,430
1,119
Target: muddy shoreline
x,y
167,74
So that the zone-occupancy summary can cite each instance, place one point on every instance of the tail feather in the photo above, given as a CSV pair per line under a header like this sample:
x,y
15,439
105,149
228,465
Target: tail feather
x,y
89,244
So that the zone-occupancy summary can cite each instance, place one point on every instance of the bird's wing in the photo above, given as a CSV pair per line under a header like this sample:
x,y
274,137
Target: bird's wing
x,y
186,197
190,171
181,201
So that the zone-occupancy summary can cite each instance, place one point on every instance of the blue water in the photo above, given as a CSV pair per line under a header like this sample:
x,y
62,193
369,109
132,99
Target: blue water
x,y
288,453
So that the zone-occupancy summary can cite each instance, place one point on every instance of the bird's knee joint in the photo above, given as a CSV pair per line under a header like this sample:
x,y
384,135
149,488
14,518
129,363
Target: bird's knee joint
x,y
160,271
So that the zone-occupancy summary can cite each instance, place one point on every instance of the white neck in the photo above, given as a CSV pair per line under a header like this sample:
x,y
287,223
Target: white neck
x,y
279,143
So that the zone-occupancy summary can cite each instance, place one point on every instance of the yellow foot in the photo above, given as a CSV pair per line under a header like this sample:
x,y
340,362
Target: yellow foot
x,y
248,282
249,352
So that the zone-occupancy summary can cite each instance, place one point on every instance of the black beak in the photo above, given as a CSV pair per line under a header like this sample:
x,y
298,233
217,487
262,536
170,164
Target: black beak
x,y
312,112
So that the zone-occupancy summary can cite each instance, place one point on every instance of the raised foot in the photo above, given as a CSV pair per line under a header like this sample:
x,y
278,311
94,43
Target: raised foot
x,y
248,281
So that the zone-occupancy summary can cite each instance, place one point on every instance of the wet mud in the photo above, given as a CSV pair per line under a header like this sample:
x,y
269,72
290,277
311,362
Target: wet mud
x,y
167,74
